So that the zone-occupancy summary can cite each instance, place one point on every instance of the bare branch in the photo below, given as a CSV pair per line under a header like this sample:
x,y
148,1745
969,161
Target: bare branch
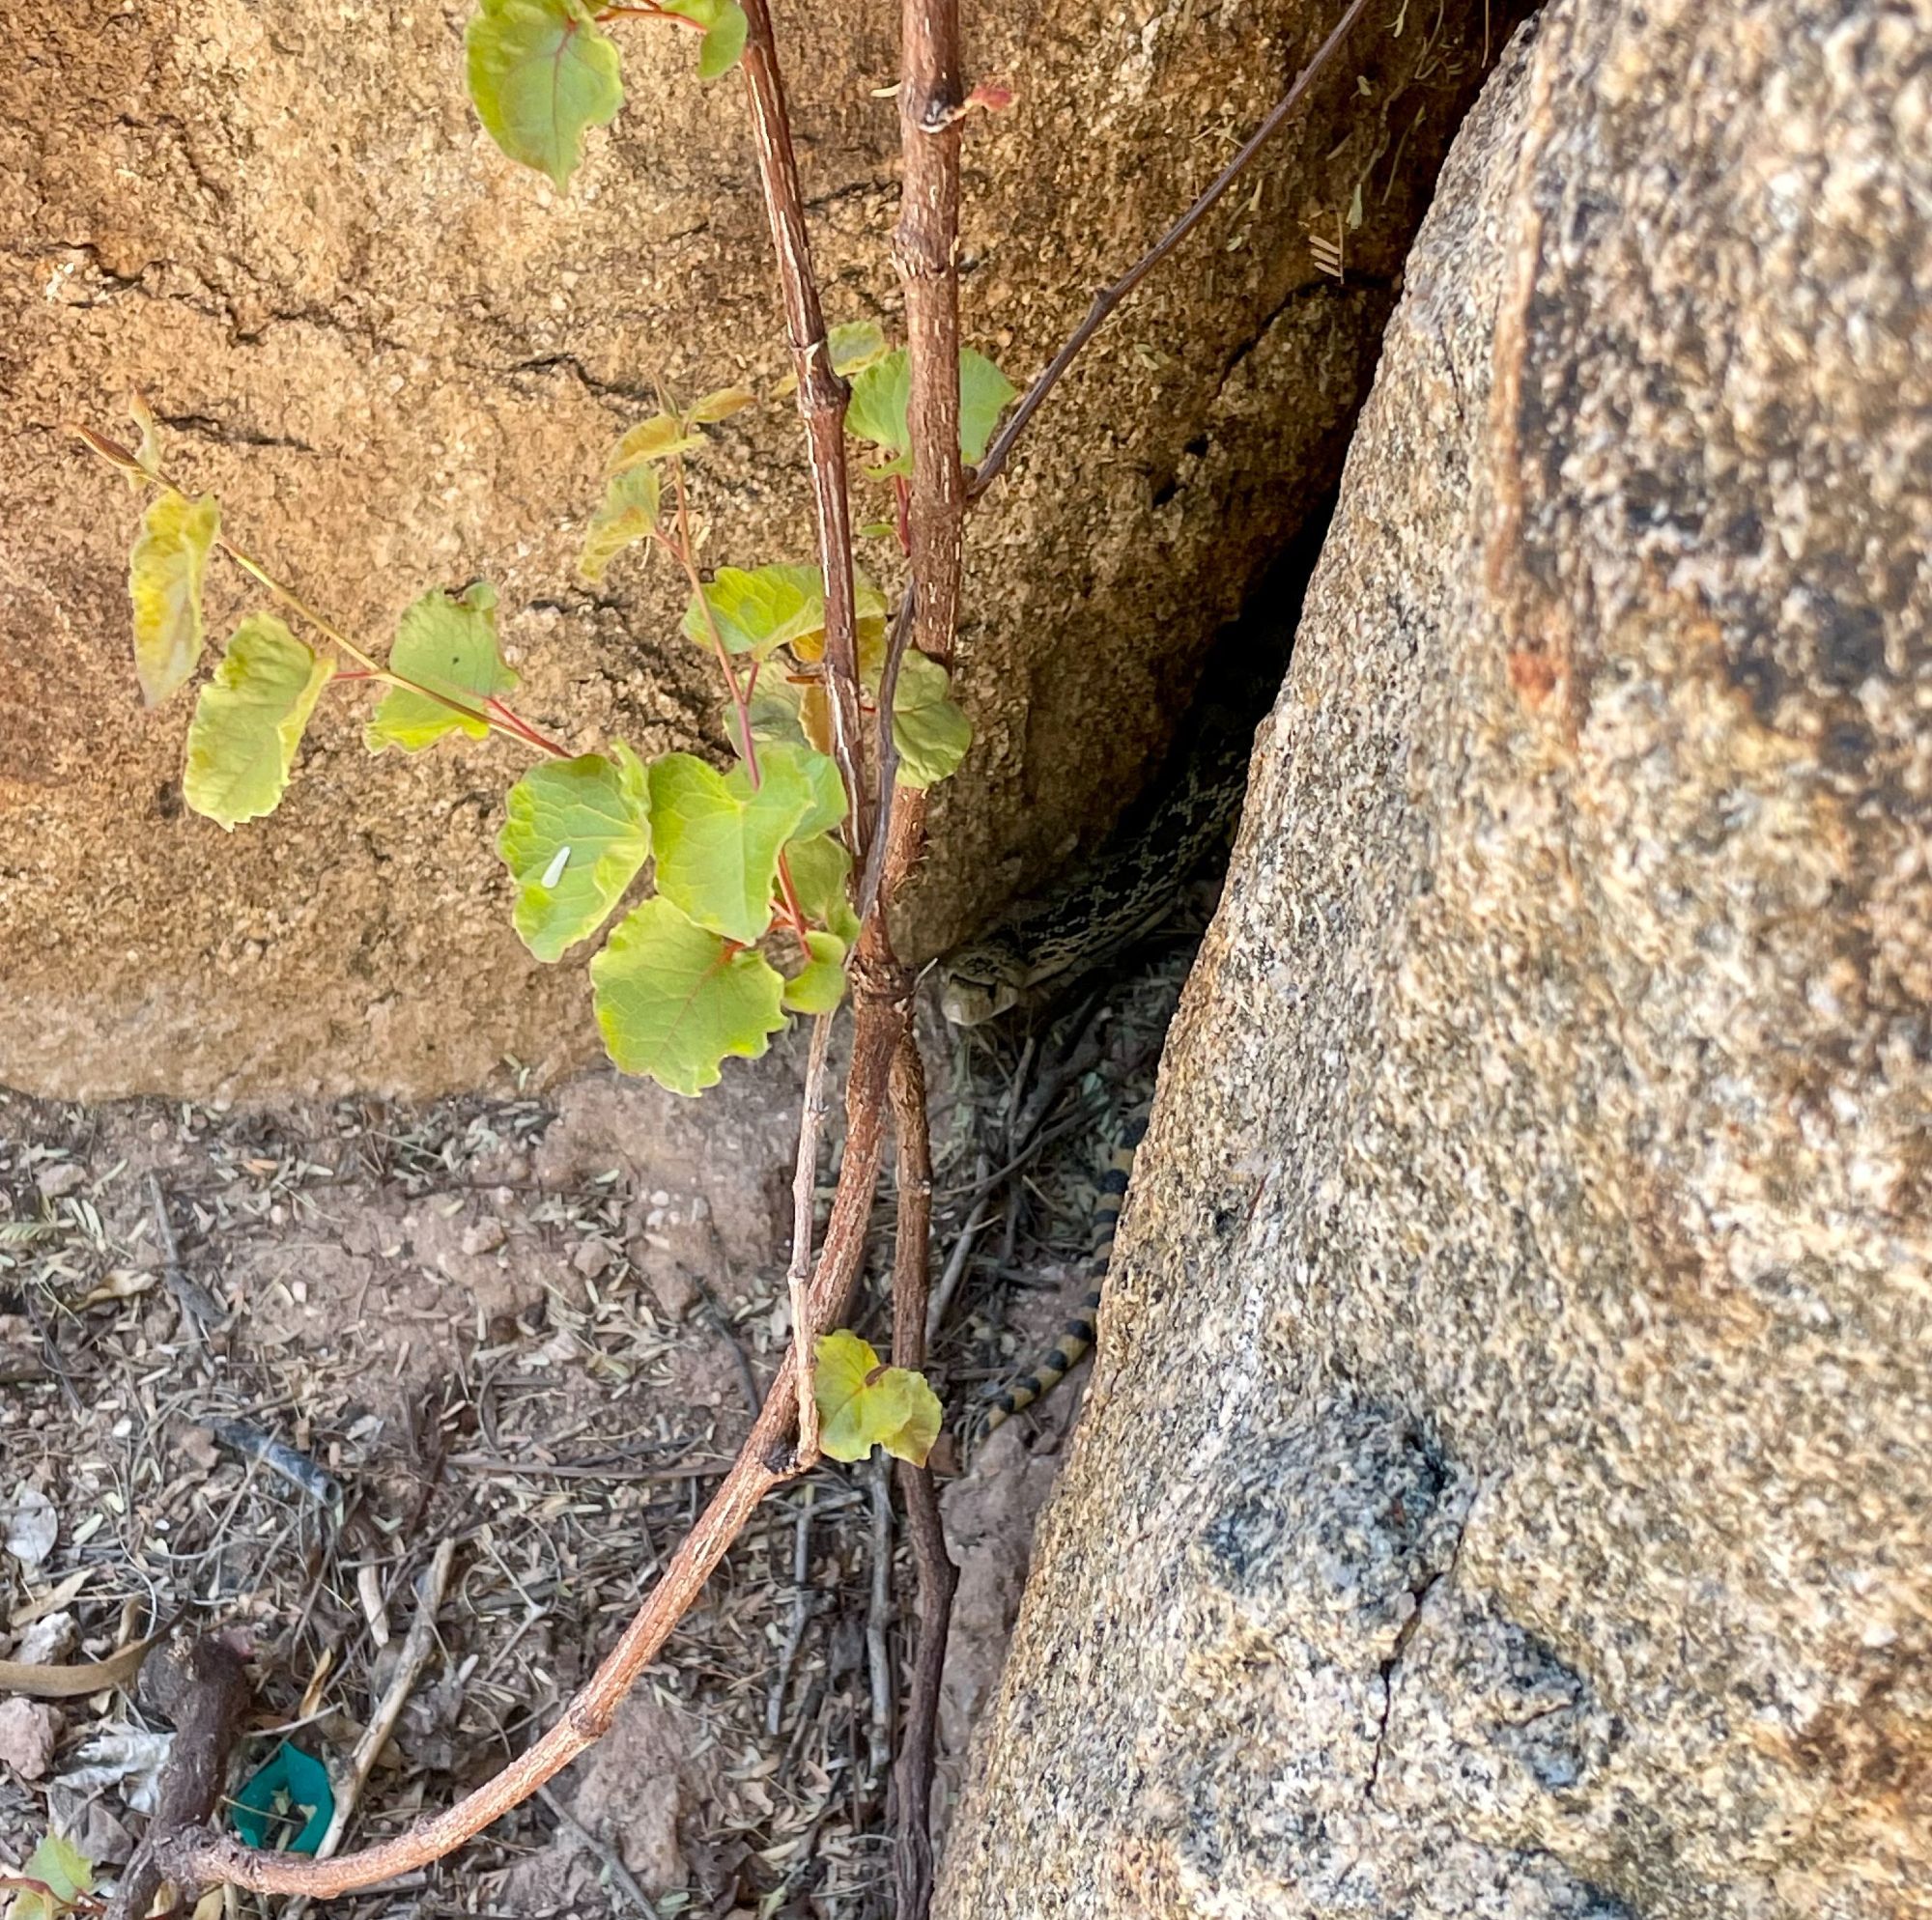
x,y
889,754
198,1856
804,1199
1105,301
822,397
937,1577
926,246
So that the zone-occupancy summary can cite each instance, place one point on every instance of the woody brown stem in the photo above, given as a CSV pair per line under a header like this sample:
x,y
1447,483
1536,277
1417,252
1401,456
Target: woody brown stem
x,y
936,1575
199,1856
925,245
822,397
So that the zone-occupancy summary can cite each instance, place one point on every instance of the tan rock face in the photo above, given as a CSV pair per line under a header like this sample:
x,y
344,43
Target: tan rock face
x,y
398,360
1505,1486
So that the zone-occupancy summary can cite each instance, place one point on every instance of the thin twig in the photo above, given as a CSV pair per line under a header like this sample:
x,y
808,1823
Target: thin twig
x,y
822,397
889,750
604,1851
804,1191
937,1577
878,1617
953,1271
418,1644
199,1312
801,1611
1105,301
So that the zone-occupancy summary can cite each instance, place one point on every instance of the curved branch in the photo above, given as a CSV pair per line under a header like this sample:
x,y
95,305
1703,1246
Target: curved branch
x,y
1109,297
197,1858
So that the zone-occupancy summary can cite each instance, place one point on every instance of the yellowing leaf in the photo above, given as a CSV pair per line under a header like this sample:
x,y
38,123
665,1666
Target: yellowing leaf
x,y
164,575
656,439
774,712
628,513
448,646
717,839
576,833
673,999
931,733
851,345
540,74
248,722
854,343
63,1870
821,985
868,619
755,611
863,1403
720,406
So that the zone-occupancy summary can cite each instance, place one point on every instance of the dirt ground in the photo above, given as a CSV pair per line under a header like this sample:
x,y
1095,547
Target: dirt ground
x,y
533,1324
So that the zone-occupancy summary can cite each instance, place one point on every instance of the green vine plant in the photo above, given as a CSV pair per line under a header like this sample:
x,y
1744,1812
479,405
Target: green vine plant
x,y
722,898
751,918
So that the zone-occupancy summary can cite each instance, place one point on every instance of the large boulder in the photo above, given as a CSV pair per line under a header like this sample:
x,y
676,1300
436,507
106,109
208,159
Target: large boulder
x,y
1507,1484
399,360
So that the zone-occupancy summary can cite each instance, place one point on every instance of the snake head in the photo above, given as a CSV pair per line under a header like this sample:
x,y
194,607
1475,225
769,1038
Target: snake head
x,y
980,982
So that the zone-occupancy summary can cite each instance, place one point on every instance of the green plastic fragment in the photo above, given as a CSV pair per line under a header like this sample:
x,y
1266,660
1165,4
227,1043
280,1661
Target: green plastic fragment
x,y
291,1782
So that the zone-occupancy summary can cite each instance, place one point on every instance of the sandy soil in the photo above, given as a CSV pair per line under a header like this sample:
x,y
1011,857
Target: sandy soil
x,y
533,1324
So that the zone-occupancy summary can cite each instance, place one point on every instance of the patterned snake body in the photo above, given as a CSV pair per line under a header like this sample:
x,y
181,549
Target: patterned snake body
x,y
1040,948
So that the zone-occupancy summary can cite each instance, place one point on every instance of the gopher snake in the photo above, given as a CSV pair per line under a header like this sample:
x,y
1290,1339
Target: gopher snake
x,y
1038,950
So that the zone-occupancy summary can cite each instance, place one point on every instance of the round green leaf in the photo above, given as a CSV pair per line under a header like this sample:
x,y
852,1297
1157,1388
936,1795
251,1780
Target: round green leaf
x,y
718,838
820,984
164,575
724,43
931,733
819,869
448,646
816,774
540,73
882,391
863,1403
673,1000
248,722
576,833
985,394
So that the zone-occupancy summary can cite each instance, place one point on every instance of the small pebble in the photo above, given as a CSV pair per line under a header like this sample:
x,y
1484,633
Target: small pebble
x,y
672,1289
484,1237
592,1258
47,1642
63,1177
29,1732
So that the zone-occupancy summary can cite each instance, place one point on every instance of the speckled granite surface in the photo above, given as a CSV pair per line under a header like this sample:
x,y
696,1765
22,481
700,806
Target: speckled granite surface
x,y
1507,1485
